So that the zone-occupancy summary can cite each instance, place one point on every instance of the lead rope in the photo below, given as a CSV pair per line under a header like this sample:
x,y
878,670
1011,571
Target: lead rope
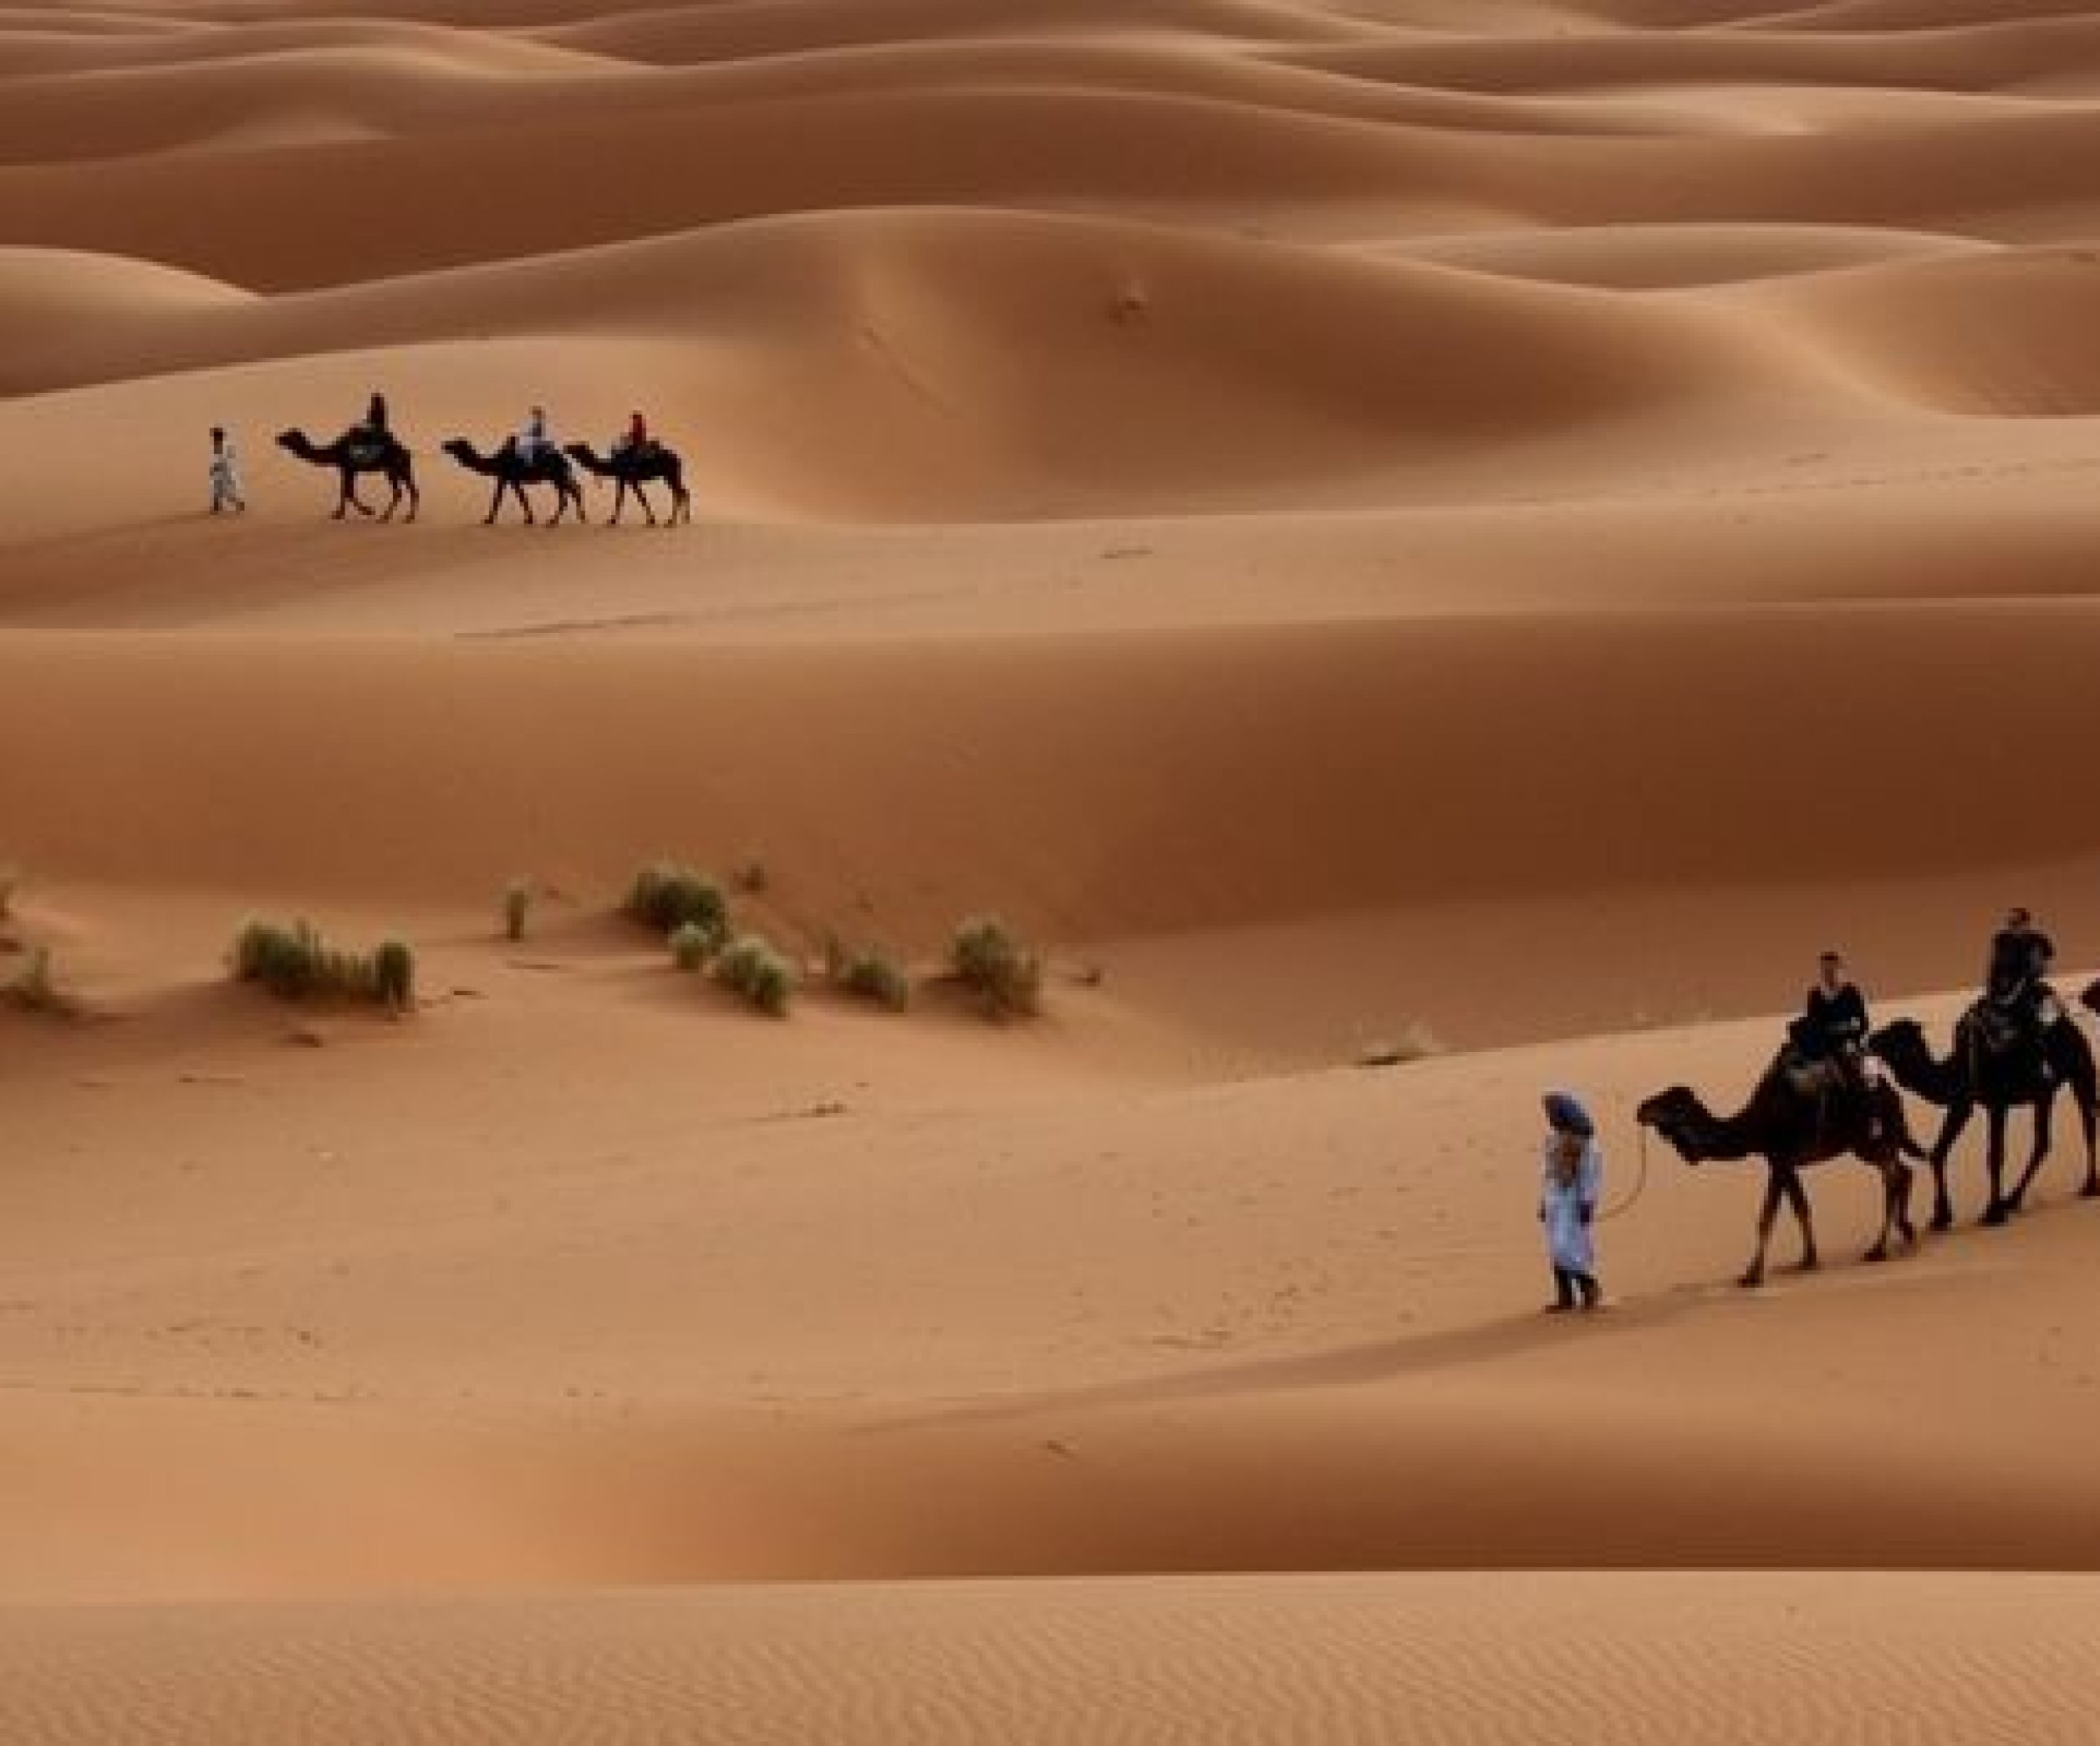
x,y
1640,1179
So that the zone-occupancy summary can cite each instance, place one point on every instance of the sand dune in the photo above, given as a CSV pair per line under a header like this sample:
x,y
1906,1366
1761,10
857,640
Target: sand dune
x,y
1646,1658
1479,535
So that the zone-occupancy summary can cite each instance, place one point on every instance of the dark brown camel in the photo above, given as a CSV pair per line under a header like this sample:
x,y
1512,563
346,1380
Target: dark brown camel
x,y
1790,1129
512,473
390,458
2010,1075
632,470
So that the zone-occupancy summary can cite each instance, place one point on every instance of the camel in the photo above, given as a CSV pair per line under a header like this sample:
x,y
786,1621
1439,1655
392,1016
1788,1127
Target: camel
x,y
1792,1129
390,458
513,473
632,470
2000,1080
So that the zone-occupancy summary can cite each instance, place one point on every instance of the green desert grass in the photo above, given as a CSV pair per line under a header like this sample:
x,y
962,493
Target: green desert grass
x,y
518,908
296,963
1000,970
755,968
692,945
667,895
869,973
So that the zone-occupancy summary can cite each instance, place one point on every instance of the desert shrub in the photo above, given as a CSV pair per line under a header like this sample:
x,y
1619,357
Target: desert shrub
x,y
870,974
394,975
755,969
518,908
691,946
296,963
1004,975
34,989
286,960
666,896
751,877
1414,1042
10,883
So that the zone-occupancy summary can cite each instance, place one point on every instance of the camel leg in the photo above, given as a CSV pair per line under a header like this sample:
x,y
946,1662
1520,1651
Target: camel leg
x,y
641,496
1797,1198
352,496
619,503
1887,1172
1754,1275
415,496
682,510
1943,1205
2088,1121
1997,1211
2044,1127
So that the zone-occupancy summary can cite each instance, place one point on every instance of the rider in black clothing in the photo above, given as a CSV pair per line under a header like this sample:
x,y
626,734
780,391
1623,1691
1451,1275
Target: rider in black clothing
x,y
1833,1024
1833,1027
2021,955
2014,981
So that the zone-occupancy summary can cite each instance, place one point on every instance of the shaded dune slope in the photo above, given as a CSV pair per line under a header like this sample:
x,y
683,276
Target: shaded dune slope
x,y
446,766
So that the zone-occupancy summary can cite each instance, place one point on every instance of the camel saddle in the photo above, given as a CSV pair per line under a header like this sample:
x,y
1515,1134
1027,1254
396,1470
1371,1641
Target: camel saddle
x,y
2000,1026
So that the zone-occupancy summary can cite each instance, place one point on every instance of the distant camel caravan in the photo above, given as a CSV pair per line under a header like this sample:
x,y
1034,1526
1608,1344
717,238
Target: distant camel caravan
x,y
362,451
352,454
513,471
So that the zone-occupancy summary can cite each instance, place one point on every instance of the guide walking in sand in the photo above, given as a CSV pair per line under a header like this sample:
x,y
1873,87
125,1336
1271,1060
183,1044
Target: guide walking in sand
x,y
1571,1178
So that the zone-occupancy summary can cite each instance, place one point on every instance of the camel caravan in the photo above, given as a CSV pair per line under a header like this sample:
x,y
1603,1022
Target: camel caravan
x,y
1832,1092
529,456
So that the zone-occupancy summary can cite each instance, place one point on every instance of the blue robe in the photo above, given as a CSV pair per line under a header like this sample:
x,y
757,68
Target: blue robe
x,y
1564,1194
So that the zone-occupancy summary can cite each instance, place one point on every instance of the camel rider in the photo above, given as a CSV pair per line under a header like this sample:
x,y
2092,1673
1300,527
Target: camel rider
x,y
373,430
632,443
533,439
1833,1024
2013,985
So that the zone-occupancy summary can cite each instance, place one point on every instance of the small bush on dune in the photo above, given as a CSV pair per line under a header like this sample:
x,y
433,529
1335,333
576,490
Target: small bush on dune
x,y
286,960
296,964
394,975
34,989
667,896
756,970
868,974
1414,1042
691,946
518,908
1006,975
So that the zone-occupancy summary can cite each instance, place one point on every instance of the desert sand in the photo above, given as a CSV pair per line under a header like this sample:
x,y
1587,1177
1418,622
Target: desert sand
x,y
1492,529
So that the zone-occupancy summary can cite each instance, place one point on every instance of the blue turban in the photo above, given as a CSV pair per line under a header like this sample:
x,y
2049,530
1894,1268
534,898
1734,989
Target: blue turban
x,y
1565,1111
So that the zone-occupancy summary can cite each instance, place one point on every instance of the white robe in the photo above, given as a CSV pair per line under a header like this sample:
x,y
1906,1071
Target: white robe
x,y
1568,1240
226,477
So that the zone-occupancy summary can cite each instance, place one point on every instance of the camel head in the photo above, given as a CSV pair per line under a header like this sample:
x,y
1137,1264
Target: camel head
x,y
468,457
1900,1043
294,442
1681,1118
